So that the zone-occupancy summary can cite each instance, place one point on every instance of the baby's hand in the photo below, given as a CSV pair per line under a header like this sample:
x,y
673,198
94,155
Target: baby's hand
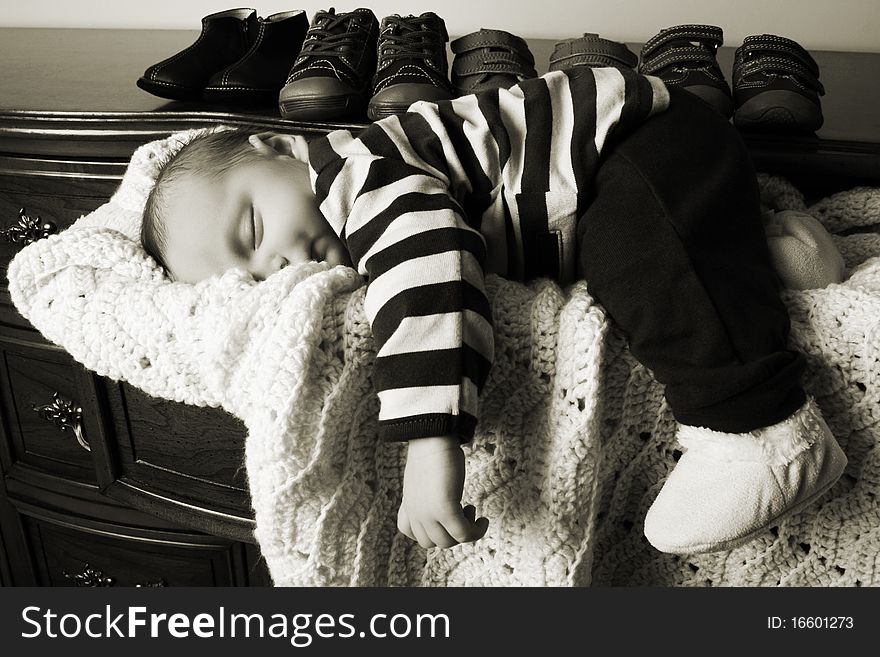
x,y
431,511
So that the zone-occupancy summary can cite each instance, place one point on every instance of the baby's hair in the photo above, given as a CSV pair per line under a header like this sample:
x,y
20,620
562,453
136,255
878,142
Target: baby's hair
x,y
211,154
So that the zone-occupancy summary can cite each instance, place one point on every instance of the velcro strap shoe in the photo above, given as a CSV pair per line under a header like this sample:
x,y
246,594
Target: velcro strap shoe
x,y
490,59
776,84
332,77
225,37
257,77
593,51
685,56
728,489
412,64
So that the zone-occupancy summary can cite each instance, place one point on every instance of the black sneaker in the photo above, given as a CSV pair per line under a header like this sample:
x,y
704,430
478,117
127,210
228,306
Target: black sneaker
x,y
412,64
684,56
592,51
332,77
490,59
776,84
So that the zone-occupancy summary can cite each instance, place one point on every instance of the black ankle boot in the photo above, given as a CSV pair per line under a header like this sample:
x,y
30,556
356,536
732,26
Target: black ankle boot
x,y
257,78
226,36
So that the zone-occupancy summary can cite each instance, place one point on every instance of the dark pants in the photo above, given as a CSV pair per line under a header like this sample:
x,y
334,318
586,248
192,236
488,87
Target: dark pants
x,y
673,247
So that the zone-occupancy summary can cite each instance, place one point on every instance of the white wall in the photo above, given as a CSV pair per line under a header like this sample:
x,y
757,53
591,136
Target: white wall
x,y
817,24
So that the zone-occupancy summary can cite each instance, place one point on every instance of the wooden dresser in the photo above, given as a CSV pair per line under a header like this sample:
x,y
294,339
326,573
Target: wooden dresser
x,y
103,485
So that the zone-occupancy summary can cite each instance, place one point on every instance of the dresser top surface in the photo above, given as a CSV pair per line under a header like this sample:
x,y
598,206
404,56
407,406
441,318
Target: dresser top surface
x,y
68,92
57,70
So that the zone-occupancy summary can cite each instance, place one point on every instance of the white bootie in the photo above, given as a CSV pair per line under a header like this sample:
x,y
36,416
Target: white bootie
x,y
727,488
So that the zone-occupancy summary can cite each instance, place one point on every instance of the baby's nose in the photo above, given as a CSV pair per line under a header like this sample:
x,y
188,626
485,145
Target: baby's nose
x,y
279,262
300,252
264,270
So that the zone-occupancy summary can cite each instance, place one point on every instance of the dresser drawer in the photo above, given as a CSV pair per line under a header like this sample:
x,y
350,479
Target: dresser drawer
x,y
180,461
49,192
75,551
44,410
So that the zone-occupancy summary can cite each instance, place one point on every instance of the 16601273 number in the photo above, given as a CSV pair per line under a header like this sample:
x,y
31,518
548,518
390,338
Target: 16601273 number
x,y
821,622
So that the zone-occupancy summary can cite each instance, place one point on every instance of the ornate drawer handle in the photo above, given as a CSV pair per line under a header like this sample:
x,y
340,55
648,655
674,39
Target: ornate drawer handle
x,y
65,415
90,577
28,229
93,578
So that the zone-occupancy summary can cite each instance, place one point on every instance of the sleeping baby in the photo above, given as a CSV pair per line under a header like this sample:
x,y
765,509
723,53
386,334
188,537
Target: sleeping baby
x,y
600,174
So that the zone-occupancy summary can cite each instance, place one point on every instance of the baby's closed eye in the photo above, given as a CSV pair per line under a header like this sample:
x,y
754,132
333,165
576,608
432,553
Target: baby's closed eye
x,y
256,237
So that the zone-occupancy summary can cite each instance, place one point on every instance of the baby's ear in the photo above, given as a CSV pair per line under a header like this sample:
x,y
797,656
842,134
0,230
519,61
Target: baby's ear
x,y
273,143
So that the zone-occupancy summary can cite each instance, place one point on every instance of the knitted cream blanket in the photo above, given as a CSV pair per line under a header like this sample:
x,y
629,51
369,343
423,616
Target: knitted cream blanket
x,y
574,439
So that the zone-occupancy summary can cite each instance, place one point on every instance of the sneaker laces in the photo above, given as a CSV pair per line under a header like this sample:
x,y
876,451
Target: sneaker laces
x,y
324,37
409,37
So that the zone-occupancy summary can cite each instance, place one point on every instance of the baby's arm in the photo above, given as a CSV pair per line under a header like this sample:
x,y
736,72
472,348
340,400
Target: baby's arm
x,y
431,321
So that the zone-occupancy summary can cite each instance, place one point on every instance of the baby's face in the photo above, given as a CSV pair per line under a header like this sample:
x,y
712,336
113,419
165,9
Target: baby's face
x,y
260,216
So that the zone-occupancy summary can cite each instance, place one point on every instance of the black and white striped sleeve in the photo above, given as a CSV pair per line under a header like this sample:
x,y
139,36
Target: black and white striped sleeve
x,y
425,298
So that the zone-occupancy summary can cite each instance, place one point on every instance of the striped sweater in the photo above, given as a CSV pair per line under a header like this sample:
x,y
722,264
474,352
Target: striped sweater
x,y
428,201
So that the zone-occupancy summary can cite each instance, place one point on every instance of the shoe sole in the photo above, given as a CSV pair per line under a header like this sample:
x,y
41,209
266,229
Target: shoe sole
x,y
169,90
708,548
398,98
321,108
377,112
779,109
